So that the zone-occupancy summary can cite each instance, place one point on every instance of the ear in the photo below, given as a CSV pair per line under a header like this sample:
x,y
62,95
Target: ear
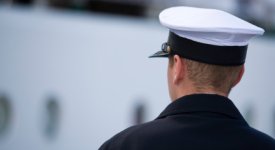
x,y
239,76
178,69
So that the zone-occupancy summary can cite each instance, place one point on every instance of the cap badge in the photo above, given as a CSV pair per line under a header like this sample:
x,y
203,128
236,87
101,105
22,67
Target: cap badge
x,y
166,48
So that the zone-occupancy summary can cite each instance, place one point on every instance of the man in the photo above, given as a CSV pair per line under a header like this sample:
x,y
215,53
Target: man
x,y
206,49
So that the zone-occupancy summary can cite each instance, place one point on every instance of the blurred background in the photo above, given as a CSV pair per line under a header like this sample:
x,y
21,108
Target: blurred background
x,y
75,72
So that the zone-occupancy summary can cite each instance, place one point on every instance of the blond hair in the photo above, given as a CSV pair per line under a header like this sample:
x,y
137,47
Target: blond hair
x,y
219,78
207,76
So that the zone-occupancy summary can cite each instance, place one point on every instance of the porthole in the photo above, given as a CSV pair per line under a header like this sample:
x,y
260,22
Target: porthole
x,y
249,115
5,115
139,112
51,117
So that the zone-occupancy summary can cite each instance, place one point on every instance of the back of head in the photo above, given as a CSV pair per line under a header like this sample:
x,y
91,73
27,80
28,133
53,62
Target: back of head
x,y
217,78
214,49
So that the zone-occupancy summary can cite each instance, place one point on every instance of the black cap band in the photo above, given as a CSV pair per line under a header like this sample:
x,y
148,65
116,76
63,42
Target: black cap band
x,y
211,54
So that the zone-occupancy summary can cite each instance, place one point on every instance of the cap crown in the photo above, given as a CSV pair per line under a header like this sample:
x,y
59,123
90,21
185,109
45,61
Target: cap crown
x,y
209,26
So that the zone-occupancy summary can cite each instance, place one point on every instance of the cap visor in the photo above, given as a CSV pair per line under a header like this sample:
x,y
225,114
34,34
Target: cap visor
x,y
159,54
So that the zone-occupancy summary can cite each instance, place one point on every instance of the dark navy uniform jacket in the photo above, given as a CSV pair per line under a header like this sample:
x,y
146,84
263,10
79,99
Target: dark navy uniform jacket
x,y
194,122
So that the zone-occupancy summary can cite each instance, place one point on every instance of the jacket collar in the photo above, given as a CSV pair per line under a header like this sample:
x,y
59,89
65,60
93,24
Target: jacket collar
x,y
202,103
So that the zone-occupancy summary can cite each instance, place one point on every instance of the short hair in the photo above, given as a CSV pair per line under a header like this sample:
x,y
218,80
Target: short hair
x,y
208,76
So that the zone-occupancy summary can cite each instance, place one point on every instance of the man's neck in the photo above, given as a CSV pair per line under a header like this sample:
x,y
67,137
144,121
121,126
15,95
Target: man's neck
x,y
190,91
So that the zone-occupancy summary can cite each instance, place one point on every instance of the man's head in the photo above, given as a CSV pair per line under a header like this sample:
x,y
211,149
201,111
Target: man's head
x,y
206,49
186,76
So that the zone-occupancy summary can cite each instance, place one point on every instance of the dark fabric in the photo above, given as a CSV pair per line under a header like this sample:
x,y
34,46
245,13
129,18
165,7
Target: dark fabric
x,y
206,53
194,122
211,54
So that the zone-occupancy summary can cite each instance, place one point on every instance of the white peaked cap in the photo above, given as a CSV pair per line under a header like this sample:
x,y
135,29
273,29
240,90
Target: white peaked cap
x,y
209,26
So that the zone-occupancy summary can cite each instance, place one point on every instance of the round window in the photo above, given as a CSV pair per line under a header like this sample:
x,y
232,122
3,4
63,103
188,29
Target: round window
x,y
5,115
51,117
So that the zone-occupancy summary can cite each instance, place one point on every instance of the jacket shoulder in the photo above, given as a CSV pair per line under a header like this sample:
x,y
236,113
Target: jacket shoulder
x,y
126,138
260,140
